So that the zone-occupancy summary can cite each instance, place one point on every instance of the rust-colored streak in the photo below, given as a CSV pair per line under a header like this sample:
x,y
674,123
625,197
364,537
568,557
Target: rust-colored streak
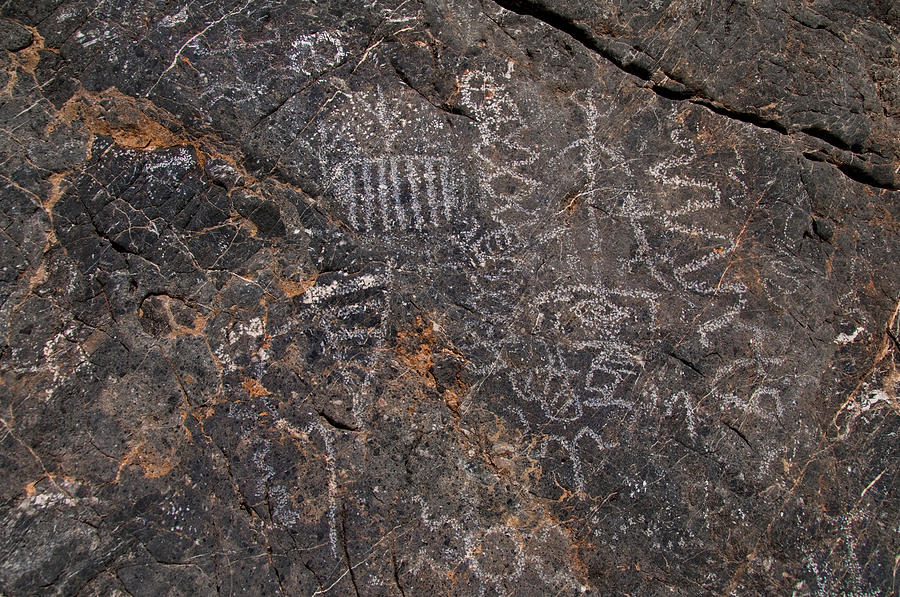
x,y
131,122
254,387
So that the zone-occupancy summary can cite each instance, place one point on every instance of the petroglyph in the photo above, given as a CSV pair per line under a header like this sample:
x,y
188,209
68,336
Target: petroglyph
x,y
400,193
491,298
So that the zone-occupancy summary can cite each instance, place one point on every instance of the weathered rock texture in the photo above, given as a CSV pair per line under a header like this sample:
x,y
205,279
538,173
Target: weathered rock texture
x,y
463,297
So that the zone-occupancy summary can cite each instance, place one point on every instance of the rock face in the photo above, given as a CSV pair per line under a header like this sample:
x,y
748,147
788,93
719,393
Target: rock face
x,y
525,297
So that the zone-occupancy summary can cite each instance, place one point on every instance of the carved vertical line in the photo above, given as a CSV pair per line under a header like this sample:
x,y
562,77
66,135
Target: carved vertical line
x,y
411,178
384,203
368,195
395,195
431,191
351,195
448,190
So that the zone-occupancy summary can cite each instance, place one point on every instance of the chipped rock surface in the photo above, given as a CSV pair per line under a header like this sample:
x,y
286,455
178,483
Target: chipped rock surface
x,y
458,297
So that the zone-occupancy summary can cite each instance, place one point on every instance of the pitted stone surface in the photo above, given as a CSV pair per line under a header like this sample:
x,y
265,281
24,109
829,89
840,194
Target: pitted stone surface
x,y
526,297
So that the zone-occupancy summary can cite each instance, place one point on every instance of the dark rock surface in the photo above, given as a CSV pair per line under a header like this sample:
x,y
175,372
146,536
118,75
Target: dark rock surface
x,y
526,297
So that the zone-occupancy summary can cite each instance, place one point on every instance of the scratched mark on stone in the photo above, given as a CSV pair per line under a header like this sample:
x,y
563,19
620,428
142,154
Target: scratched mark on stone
x,y
400,193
